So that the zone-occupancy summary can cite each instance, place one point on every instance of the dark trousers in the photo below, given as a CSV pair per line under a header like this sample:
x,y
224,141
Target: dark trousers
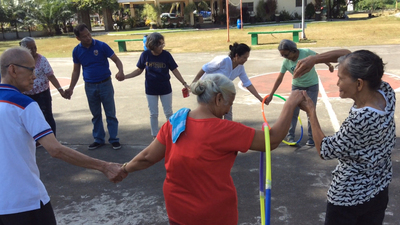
x,y
371,212
42,216
44,101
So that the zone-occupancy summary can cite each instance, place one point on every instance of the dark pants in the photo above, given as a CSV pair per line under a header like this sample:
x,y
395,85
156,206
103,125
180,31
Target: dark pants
x,y
44,101
371,212
42,216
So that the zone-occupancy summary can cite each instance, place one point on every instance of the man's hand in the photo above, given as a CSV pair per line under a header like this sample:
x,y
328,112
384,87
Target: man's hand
x,y
120,76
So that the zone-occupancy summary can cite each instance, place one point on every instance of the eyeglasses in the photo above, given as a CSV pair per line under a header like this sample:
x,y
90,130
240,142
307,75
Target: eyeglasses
x,y
285,55
32,69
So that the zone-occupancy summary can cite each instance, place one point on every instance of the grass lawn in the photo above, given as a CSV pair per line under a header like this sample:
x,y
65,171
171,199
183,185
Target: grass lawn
x,y
353,32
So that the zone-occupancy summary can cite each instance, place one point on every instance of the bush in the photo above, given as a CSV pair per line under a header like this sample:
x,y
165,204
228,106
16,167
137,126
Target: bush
x,y
285,15
310,11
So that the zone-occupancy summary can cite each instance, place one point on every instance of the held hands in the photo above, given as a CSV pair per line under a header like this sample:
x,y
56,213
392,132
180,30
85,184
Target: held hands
x,y
307,105
269,99
67,93
114,172
120,76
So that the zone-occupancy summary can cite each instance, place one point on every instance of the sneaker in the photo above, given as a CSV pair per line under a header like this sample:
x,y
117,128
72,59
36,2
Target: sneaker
x,y
290,139
310,142
95,145
116,145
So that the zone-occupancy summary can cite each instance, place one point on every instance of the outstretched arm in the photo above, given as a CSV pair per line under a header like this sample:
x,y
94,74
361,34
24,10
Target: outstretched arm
x,y
178,76
112,171
134,73
279,131
276,86
120,75
74,79
199,74
305,65
309,107
253,90
152,154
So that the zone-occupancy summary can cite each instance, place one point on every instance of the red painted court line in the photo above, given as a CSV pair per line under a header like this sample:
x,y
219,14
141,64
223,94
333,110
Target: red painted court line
x,y
63,82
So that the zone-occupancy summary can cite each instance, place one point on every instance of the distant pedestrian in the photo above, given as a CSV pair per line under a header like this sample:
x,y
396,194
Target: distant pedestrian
x,y
93,56
232,67
157,62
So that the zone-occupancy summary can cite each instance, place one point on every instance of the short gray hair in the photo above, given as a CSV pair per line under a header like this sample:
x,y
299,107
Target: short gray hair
x,y
287,45
153,40
365,65
11,56
211,85
24,42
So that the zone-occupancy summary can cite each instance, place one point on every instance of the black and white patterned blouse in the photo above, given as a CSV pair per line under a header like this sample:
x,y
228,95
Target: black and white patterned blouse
x,y
363,147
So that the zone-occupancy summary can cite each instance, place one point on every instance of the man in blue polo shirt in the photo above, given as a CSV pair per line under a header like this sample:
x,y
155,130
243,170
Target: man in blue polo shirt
x,y
92,55
24,199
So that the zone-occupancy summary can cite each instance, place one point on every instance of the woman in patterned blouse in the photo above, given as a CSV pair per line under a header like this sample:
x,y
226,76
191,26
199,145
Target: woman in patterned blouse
x,y
41,90
358,193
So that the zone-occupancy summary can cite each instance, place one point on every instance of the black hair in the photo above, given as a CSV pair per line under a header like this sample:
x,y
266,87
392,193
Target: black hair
x,y
239,49
79,28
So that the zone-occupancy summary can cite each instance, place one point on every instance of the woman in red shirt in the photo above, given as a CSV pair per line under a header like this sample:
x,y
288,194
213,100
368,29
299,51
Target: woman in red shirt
x,y
199,150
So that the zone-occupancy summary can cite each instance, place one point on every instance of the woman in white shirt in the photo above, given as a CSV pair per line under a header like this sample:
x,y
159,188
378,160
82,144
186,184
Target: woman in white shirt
x,y
231,66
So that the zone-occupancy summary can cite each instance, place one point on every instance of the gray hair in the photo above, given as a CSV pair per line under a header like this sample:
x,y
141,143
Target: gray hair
x,y
24,42
365,65
211,85
13,55
153,40
286,44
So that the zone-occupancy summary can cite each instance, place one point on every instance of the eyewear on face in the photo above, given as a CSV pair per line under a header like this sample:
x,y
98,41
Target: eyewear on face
x,y
28,68
285,55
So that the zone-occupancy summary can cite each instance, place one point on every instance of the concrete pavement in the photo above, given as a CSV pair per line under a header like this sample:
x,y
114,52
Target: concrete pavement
x,y
300,179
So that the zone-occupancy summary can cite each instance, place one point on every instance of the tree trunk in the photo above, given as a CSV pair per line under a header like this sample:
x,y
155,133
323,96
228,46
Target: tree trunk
x,y
107,19
84,17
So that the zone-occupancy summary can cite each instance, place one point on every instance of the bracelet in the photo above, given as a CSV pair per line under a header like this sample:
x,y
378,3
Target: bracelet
x,y
123,167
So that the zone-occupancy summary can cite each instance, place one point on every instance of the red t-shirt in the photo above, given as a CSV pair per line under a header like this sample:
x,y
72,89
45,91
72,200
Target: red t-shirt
x,y
198,188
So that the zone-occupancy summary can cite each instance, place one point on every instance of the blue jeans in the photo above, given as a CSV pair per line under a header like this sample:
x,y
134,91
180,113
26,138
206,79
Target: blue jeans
x,y
43,99
98,94
166,101
312,92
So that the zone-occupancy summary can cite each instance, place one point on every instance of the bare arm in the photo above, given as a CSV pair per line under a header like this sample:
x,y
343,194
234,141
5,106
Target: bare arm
x,y
199,74
179,77
309,107
253,90
279,131
118,63
146,158
276,86
112,171
74,79
305,65
134,73
56,84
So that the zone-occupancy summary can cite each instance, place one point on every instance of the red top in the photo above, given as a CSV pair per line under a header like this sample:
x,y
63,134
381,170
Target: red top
x,y
198,188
